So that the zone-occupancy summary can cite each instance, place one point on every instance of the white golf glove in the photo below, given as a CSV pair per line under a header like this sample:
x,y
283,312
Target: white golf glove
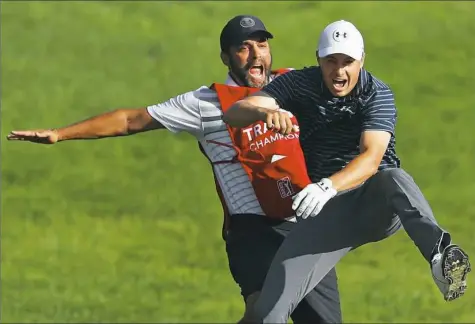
x,y
312,198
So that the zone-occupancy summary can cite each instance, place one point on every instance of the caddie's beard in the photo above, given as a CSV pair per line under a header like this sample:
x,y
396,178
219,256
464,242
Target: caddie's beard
x,y
256,79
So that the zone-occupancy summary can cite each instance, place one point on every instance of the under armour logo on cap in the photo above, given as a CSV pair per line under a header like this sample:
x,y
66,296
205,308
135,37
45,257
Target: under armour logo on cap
x,y
339,36
247,22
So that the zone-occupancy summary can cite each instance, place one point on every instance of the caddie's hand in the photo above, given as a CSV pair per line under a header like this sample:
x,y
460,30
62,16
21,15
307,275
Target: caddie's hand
x,y
41,136
279,121
312,198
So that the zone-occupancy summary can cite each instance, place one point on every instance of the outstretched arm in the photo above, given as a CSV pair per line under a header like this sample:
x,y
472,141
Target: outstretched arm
x,y
120,122
180,113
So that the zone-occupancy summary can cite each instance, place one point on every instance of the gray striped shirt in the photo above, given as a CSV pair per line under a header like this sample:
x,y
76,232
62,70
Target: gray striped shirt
x,y
199,113
331,127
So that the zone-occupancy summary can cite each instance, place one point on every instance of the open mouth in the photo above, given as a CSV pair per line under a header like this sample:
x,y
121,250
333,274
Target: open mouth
x,y
339,84
256,70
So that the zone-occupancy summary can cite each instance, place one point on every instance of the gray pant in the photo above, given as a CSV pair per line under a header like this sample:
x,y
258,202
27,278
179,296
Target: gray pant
x,y
368,213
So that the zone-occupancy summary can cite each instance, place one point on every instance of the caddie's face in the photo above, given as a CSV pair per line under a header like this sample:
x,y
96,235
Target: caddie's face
x,y
251,62
340,73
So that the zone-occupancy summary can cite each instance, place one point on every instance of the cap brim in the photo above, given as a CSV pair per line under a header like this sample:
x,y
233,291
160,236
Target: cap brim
x,y
261,31
235,41
351,51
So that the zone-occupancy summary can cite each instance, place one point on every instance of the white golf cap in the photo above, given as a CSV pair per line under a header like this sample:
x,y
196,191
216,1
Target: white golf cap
x,y
341,37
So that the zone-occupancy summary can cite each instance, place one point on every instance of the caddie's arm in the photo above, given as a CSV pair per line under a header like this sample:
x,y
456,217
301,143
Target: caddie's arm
x,y
120,122
379,120
177,114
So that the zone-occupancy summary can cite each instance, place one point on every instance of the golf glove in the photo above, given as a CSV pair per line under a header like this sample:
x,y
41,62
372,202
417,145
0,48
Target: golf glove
x,y
312,198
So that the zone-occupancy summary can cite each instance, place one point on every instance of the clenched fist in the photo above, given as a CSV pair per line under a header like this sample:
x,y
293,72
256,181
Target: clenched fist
x,y
47,136
278,120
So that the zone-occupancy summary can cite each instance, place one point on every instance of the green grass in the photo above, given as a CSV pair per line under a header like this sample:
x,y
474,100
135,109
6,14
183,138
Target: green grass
x,y
128,229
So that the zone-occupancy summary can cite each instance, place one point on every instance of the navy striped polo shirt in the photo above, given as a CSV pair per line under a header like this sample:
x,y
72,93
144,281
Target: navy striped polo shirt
x,y
331,127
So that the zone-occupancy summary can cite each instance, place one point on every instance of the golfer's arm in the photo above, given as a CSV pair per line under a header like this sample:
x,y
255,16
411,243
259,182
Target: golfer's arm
x,y
120,122
373,145
249,110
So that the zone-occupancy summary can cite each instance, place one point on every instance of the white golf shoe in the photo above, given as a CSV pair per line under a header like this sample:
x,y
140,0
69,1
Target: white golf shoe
x,y
449,267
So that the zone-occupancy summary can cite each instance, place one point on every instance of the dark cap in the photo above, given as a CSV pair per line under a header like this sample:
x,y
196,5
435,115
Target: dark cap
x,y
241,28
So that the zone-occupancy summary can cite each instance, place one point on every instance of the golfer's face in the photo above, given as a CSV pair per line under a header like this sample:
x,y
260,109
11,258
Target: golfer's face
x,y
340,73
251,62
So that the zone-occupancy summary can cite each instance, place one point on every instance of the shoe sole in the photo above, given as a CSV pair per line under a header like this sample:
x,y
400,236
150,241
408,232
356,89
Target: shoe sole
x,y
456,267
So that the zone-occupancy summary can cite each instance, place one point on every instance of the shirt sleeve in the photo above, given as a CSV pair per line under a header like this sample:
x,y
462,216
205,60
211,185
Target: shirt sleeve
x,y
282,89
180,113
380,112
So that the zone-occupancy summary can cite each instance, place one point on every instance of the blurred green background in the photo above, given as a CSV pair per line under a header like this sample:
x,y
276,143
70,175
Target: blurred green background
x,y
128,229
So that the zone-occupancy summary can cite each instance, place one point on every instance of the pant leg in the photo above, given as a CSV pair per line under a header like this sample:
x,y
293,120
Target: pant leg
x,y
316,245
373,212
408,202
300,273
251,245
320,305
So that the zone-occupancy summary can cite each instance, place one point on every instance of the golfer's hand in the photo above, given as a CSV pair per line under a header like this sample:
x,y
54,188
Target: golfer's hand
x,y
35,136
279,121
310,201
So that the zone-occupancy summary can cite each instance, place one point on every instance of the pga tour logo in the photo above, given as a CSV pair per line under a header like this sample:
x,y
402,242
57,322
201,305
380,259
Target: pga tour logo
x,y
285,187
